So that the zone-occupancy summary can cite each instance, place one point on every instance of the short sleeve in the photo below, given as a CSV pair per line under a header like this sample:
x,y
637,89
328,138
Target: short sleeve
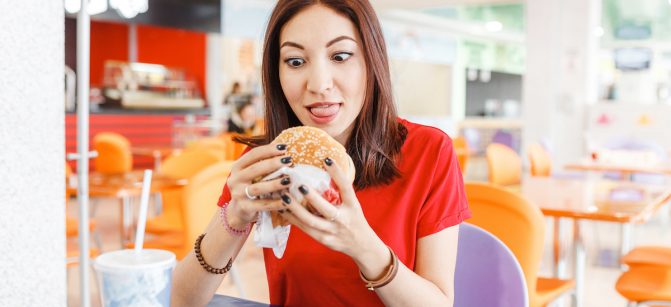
x,y
446,204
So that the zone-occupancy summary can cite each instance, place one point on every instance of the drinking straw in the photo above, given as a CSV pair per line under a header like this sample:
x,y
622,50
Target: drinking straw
x,y
142,219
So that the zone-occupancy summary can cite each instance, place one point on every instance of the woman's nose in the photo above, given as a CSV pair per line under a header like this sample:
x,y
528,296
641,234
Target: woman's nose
x,y
320,80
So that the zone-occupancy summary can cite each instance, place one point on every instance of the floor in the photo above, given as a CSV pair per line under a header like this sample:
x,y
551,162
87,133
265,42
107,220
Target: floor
x,y
601,240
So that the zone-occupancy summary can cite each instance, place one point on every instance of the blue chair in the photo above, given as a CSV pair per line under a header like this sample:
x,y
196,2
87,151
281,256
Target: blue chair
x,y
487,273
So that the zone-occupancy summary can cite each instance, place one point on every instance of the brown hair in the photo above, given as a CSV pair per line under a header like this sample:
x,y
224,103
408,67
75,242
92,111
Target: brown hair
x,y
377,136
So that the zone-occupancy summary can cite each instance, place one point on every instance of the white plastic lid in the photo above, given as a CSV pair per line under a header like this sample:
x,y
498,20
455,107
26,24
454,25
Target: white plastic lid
x,y
130,260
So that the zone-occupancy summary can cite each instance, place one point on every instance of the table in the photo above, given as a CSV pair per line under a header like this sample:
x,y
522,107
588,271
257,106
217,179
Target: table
x,y
628,169
622,202
126,186
228,301
158,153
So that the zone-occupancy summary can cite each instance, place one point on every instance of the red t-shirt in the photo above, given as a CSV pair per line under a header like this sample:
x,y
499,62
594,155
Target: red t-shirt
x,y
427,198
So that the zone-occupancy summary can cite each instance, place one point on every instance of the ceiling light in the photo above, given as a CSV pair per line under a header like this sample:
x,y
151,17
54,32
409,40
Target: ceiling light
x,y
94,7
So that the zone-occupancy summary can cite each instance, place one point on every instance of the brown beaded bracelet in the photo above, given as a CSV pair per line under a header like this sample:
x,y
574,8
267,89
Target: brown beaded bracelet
x,y
204,264
388,276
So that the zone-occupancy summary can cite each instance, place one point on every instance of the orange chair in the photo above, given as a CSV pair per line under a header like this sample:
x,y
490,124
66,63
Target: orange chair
x,y
461,147
114,154
521,226
184,165
214,144
72,230
233,149
648,255
541,163
505,165
646,284
198,204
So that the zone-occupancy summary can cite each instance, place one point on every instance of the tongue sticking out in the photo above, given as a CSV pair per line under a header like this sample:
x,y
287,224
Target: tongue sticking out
x,y
325,111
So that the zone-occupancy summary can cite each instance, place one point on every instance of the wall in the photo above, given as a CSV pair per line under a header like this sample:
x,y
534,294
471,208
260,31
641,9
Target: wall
x,y
421,89
167,46
32,186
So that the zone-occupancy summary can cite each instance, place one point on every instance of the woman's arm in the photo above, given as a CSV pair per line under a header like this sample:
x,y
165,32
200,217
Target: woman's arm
x,y
432,283
192,284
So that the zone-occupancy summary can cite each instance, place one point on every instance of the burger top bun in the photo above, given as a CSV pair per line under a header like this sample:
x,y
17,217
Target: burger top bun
x,y
309,145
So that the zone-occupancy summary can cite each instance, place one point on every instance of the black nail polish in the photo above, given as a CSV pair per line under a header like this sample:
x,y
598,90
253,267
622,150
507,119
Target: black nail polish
x,y
286,160
303,189
286,199
285,181
328,161
281,147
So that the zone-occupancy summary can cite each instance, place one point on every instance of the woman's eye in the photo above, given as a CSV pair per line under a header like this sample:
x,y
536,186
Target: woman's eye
x,y
341,56
295,62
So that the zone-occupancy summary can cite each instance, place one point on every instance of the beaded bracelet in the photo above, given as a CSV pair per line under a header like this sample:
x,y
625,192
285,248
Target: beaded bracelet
x,y
386,278
204,264
233,231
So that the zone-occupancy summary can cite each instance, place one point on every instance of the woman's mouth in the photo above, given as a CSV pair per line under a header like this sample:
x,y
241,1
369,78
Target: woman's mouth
x,y
323,113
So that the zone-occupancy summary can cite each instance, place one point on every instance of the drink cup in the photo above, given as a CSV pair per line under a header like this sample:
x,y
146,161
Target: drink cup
x,y
131,278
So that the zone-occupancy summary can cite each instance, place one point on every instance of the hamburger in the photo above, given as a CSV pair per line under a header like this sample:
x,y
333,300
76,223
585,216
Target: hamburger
x,y
308,147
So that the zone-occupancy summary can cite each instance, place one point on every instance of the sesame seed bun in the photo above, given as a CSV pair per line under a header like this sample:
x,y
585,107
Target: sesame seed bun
x,y
310,145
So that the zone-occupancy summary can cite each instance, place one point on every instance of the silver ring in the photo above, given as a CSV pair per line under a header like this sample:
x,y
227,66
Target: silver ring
x,y
335,216
250,196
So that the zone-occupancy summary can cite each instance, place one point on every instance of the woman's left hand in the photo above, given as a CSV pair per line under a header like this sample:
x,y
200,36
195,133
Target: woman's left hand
x,y
342,228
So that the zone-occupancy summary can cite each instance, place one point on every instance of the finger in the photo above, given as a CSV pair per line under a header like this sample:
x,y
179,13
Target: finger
x,y
326,209
312,232
260,153
263,168
343,183
307,219
268,187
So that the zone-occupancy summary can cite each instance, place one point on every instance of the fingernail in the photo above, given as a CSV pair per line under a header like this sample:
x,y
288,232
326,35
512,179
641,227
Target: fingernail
x,y
286,199
286,160
281,147
303,189
285,181
328,161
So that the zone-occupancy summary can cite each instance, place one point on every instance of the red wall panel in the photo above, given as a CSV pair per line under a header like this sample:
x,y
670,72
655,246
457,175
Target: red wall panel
x,y
175,48
109,41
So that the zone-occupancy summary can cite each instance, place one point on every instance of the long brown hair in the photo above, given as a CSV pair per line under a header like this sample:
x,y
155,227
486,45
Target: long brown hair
x,y
377,136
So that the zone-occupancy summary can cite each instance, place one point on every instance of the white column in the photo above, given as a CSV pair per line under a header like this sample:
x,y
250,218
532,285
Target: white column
x,y
32,156
561,73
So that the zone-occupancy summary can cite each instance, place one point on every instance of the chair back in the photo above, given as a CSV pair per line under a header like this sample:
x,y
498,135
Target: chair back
x,y
213,144
233,149
504,165
487,273
201,195
114,155
539,158
187,163
461,146
514,220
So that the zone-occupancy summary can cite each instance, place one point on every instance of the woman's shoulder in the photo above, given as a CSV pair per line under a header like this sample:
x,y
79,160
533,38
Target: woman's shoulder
x,y
426,135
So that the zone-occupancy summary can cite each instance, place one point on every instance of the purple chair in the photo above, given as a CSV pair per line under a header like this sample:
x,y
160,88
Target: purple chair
x,y
487,273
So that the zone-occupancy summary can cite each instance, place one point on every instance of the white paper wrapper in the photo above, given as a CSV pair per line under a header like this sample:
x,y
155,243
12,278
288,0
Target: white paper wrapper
x,y
276,238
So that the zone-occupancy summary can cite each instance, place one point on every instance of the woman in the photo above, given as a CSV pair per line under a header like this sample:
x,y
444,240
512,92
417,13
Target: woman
x,y
325,65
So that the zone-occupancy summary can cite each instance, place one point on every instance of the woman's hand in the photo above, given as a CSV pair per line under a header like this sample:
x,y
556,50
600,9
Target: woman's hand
x,y
342,228
258,162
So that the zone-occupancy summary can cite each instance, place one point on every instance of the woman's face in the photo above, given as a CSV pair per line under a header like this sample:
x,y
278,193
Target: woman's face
x,y
322,70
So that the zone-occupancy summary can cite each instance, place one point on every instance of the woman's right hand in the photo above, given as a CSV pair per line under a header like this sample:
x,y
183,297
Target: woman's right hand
x,y
258,162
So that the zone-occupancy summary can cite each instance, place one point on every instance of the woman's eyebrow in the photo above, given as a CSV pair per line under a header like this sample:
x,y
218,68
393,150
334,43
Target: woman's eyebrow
x,y
331,42
339,38
292,44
